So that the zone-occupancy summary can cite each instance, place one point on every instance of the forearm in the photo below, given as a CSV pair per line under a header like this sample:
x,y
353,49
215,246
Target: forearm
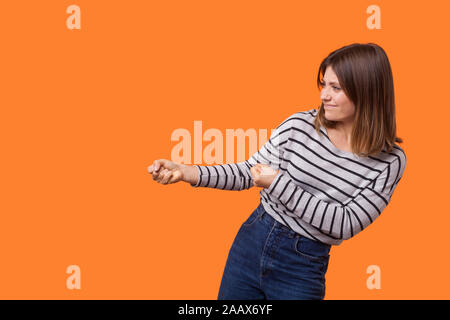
x,y
337,220
233,176
237,176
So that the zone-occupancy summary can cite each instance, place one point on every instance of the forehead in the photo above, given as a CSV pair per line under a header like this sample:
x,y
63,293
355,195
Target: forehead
x,y
330,75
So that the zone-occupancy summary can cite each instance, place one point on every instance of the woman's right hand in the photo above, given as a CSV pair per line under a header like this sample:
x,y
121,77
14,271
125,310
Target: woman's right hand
x,y
166,171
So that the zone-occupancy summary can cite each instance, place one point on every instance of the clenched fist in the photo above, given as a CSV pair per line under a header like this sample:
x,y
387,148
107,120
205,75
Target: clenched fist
x,y
166,171
263,175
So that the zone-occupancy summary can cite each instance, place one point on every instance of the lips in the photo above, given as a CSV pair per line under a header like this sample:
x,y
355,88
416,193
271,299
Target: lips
x,y
329,105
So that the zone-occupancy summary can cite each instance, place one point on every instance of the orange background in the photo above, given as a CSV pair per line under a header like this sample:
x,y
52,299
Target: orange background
x,y
84,112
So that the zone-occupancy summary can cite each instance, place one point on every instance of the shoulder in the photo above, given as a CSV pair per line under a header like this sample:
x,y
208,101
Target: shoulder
x,y
396,154
400,155
299,119
396,160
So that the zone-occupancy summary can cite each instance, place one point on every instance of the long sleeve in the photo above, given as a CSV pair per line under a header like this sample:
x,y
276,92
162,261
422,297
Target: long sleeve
x,y
237,176
345,220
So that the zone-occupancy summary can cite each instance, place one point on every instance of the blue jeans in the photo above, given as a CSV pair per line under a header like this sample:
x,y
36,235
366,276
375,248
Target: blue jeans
x,y
270,261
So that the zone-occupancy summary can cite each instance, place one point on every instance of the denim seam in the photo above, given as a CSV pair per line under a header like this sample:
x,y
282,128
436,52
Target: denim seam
x,y
263,255
258,216
274,247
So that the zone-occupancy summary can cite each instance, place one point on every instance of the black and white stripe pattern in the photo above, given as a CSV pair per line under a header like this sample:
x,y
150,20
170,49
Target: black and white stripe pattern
x,y
321,192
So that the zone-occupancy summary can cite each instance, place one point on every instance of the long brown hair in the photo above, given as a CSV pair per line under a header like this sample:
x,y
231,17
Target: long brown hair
x,y
365,75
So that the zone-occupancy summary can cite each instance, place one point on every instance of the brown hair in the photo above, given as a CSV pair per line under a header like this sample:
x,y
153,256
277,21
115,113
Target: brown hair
x,y
365,75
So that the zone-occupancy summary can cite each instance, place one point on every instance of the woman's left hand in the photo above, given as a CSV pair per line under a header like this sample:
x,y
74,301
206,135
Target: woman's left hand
x,y
262,175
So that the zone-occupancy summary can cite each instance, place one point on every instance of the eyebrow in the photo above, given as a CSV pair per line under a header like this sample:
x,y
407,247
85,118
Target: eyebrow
x,y
330,82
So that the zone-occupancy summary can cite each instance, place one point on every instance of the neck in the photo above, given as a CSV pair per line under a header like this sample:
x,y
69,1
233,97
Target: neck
x,y
344,130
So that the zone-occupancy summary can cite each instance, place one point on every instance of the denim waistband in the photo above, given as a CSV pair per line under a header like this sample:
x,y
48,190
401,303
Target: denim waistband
x,y
267,218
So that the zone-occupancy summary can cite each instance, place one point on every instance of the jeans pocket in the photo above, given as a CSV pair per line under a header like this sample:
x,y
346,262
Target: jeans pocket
x,y
311,250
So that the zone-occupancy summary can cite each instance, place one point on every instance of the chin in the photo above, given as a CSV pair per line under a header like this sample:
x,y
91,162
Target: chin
x,y
330,116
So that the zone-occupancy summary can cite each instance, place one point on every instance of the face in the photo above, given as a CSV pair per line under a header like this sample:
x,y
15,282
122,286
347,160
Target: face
x,y
341,109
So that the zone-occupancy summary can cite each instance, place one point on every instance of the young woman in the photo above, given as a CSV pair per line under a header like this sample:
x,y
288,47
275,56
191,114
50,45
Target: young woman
x,y
325,175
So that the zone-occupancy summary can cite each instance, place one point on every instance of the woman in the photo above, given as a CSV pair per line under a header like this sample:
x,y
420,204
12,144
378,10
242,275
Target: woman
x,y
325,174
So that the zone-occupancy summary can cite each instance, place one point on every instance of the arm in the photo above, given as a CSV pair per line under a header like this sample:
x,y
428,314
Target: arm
x,y
237,176
340,221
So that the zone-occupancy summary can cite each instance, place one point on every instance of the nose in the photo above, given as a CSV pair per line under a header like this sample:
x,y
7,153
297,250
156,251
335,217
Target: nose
x,y
324,95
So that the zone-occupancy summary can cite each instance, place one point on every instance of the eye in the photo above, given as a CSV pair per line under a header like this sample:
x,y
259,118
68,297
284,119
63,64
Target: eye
x,y
322,84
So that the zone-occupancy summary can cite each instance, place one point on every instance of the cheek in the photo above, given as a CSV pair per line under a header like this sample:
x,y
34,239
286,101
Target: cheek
x,y
344,102
342,99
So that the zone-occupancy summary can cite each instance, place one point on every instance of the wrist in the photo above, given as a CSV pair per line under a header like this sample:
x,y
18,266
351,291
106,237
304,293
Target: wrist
x,y
190,174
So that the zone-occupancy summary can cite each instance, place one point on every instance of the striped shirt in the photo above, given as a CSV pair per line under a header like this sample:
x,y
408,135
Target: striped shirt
x,y
321,192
